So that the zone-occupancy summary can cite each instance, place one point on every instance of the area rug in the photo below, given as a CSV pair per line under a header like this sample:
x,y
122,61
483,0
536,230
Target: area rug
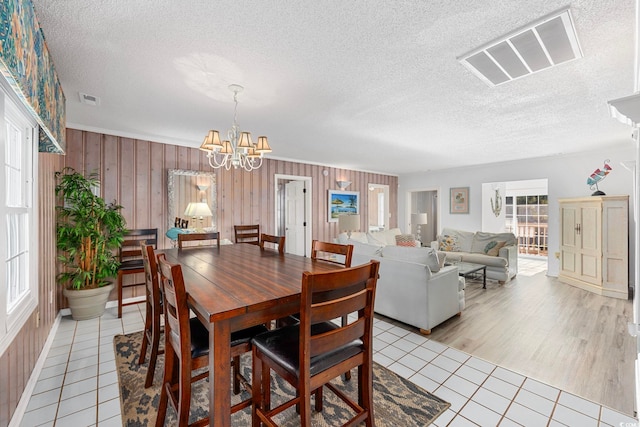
x,y
397,401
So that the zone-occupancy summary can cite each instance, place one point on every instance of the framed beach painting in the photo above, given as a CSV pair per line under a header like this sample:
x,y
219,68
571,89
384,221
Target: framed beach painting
x,y
459,200
343,202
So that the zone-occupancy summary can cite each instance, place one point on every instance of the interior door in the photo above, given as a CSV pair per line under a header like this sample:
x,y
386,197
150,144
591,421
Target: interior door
x,y
294,219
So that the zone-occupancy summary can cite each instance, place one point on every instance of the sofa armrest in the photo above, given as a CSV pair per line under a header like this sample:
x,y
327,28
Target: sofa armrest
x,y
511,254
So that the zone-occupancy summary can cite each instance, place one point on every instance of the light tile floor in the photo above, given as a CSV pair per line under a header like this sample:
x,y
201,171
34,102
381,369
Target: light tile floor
x,y
78,385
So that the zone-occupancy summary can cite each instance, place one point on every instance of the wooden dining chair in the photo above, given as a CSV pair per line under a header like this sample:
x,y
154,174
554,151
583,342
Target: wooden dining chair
x,y
130,257
315,351
187,349
275,240
191,237
326,251
247,234
152,330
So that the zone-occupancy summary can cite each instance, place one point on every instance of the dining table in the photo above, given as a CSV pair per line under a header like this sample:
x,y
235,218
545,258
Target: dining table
x,y
233,287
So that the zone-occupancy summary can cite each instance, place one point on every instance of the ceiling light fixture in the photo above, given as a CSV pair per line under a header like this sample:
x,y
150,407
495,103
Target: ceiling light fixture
x,y
239,150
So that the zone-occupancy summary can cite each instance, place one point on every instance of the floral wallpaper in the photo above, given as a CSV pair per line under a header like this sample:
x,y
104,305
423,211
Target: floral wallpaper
x,y
26,64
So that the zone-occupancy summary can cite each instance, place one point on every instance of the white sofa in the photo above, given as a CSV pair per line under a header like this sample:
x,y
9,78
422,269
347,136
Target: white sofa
x,y
498,251
408,290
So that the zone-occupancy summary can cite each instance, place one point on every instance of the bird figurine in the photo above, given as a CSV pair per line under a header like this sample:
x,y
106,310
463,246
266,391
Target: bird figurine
x,y
597,176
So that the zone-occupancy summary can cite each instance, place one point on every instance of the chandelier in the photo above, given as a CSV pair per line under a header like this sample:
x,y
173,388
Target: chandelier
x,y
238,150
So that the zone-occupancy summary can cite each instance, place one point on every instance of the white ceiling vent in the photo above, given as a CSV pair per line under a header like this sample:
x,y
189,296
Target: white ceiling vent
x,y
549,41
89,99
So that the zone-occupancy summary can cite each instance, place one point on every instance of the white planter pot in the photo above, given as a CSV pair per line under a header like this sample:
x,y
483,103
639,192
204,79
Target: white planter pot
x,y
87,303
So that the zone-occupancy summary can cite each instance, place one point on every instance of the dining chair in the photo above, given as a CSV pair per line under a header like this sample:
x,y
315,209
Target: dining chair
x,y
152,330
275,240
191,237
247,234
187,349
317,350
130,257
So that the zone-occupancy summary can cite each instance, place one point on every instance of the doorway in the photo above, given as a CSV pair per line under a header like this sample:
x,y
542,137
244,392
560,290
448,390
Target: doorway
x,y
423,202
293,212
378,207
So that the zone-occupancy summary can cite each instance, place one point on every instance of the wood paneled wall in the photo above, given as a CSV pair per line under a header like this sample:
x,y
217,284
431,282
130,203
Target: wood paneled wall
x,y
17,363
134,173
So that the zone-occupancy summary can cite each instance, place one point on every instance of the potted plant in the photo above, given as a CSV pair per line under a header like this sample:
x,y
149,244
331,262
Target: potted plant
x,y
88,232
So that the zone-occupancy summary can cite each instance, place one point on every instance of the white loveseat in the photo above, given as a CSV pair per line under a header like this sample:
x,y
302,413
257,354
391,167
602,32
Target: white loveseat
x,y
498,251
408,290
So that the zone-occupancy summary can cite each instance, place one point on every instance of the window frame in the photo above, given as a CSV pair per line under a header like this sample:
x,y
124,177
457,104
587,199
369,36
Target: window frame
x,y
11,322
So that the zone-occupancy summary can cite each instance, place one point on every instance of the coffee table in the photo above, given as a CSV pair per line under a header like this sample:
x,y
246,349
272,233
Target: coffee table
x,y
469,269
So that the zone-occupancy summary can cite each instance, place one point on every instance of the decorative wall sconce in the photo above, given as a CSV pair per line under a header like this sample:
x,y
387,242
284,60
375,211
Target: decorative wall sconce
x,y
343,184
497,207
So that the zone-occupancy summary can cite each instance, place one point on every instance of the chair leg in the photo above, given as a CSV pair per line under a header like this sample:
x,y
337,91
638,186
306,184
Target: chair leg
x,y
145,336
347,375
184,390
236,374
166,385
119,294
155,344
365,392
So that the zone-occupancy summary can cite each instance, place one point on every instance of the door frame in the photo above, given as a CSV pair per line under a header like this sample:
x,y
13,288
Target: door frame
x,y
307,208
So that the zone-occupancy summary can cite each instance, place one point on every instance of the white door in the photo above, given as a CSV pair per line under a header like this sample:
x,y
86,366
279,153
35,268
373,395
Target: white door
x,y
294,200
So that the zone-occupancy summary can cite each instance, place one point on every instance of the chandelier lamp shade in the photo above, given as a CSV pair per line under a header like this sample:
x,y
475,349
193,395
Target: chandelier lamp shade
x,y
239,150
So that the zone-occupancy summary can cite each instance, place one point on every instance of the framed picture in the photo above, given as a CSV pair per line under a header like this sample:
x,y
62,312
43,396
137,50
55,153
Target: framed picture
x,y
342,202
459,200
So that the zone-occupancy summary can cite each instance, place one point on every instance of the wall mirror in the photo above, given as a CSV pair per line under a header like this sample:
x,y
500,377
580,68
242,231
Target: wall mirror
x,y
184,187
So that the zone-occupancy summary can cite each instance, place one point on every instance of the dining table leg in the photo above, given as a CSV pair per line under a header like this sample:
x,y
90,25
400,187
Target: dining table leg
x,y
219,374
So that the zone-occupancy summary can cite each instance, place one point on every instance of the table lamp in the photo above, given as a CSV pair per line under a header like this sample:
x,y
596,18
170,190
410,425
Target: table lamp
x,y
348,223
198,209
419,219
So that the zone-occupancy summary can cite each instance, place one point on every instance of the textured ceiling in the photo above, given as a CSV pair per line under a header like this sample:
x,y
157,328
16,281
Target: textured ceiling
x,y
368,85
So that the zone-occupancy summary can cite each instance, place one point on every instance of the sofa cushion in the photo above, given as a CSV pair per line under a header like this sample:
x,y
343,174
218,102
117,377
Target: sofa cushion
x,y
406,240
356,236
493,248
482,239
384,237
366,249
464,239
426,256
489,261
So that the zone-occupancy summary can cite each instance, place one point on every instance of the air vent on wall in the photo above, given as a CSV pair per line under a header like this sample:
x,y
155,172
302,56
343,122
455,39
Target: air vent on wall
x,y
89,99
549,41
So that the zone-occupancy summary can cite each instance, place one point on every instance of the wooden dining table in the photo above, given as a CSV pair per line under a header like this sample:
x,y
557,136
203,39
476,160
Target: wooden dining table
x,y
234,287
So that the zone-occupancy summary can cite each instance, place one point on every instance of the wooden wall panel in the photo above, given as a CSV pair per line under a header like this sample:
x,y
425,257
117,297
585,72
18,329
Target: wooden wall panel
x,y
18,361
134,173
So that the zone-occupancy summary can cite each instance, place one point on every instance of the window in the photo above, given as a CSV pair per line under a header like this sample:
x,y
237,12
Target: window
x,y
18,222
527,217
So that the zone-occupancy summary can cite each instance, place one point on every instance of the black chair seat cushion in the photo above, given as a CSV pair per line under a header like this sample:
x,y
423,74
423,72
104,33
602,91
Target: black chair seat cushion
x,y
131,264
282,345
199,338
244,335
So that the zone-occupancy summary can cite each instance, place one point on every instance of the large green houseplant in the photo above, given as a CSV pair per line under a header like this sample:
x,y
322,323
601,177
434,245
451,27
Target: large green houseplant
x,y
88,233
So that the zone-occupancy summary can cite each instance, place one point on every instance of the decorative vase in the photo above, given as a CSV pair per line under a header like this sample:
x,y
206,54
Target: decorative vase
x,y
87,303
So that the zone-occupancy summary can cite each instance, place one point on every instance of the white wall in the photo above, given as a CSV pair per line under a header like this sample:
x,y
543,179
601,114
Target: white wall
x,y
567,177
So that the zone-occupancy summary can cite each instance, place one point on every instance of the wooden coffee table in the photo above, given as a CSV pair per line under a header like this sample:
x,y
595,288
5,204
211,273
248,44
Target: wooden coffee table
x,y
469,269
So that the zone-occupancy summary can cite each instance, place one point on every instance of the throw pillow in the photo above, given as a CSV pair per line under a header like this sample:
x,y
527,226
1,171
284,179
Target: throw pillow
x,y
493,248
449,243
406,240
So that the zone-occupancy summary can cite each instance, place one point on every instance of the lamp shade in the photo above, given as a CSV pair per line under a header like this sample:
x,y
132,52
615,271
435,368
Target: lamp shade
x,y
348,223
419,218
200,209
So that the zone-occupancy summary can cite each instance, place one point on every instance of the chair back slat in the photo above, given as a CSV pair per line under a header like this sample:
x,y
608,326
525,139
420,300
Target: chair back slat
x,y
130,248
276,241
151,273
191,237
329,295
176,310
247,234
324,251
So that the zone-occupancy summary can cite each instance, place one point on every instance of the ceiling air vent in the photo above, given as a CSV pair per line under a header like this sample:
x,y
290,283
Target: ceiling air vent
x,y
89,99
549,41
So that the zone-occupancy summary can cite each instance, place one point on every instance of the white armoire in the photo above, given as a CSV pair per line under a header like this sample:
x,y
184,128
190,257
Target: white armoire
x,y
594,244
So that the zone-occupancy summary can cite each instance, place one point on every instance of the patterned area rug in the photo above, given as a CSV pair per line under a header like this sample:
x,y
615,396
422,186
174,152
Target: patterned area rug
x,y
397,402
